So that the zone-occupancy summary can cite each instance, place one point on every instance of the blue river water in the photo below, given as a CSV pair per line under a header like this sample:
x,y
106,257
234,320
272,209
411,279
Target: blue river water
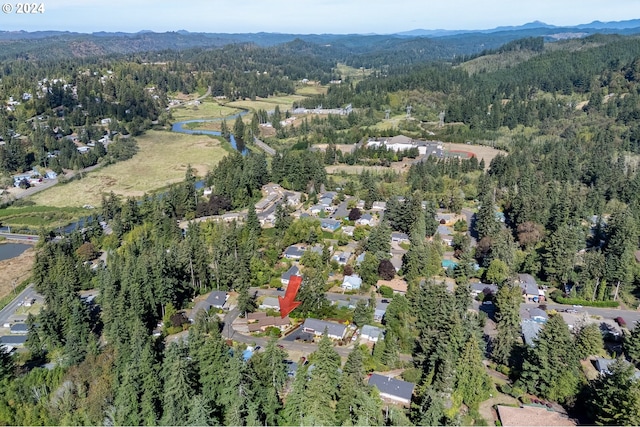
x,y
179,127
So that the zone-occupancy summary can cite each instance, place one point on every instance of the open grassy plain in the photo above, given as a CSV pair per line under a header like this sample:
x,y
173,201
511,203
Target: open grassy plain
x,y
161,160
207,109
268,104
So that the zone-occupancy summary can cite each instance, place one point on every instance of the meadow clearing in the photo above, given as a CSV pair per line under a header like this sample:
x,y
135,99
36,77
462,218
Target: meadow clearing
x,y
162,159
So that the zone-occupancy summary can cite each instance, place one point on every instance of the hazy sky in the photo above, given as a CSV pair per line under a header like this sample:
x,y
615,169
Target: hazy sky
x,y
305,16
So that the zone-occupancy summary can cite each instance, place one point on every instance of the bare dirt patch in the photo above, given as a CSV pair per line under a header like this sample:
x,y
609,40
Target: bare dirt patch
x,y
15,269
480,151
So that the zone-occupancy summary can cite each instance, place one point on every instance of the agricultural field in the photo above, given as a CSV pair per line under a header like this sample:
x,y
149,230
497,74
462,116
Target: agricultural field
x,y
161,160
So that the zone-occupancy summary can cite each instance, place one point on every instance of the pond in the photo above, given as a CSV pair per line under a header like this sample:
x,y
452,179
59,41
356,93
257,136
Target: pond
x,y
12,250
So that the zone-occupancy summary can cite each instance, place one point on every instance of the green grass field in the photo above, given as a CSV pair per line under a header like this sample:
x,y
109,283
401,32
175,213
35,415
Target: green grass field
x,y
161,160
267,104
311,90
206,110
39,216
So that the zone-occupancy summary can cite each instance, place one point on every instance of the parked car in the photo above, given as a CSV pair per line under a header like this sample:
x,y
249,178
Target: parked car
x,y
620,321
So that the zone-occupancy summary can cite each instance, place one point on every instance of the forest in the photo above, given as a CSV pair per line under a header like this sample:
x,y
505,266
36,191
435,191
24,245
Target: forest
x,y
560,203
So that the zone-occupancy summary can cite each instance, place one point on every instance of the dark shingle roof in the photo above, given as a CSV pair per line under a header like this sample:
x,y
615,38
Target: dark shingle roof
x,y
392,386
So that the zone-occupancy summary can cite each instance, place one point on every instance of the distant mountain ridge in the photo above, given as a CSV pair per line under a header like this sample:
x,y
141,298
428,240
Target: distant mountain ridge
x,y
423,45
595,25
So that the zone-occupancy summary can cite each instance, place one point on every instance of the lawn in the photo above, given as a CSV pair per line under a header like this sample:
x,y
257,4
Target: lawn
x,y
206,110
162,159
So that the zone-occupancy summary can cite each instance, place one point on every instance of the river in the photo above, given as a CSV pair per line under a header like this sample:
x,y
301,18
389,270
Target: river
x,y
179,127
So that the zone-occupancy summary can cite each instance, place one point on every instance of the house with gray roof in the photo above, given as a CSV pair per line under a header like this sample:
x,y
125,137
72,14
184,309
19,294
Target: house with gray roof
x,y
12,341
530,331
317,327
371,333
270,303
538,315
399,237
216,299
294,252
478,288
602,365
342,257
292,271
529,287
366,219
19,328
328,224
380,311
379,206
391,389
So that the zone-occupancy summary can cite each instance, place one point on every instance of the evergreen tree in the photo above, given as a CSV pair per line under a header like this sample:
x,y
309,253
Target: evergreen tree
x,y
178,386
320,394
588,341
551,368
614,399
507,302
632,344
472,381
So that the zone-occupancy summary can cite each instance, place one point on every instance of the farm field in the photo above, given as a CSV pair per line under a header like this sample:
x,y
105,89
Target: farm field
x,y
33,217
161,160
311,90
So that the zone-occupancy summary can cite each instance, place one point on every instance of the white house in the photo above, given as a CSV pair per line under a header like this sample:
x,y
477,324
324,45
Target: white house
x,y
371,333
351,283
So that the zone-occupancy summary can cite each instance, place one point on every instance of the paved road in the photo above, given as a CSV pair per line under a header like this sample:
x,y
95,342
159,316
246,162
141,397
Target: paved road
x,y
264,147
28,293
17,236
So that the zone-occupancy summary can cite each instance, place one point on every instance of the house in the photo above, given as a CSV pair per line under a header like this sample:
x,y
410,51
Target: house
x,y
328,224
478,288
326,202
342,257
360,258
529,287
397,284
316,209
602,365
217,299
348,230
530,330
391,389
446,234
365,219
371,333
270,303
532,416
292,271
264,322
294,252
83,149
396,261
105,121
317,327
10,342
399,237
380,311
19,328
379,206
351,283
538,315
344,304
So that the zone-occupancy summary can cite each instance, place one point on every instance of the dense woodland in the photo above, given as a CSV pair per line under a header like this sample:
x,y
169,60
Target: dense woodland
x,y
568,189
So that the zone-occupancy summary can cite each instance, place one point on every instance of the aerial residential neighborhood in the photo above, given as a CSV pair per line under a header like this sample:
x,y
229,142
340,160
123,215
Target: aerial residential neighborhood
x,y
320,214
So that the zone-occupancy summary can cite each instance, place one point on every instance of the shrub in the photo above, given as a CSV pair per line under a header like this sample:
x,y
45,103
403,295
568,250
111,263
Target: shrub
x,y
386,291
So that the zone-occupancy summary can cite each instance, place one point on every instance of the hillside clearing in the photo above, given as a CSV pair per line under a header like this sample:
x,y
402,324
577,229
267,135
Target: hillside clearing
x,y
161,160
